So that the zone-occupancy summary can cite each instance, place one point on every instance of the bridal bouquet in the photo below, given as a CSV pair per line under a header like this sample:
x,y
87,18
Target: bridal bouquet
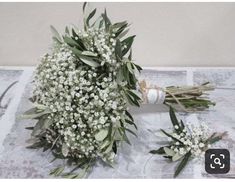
x,y
82,92
186,142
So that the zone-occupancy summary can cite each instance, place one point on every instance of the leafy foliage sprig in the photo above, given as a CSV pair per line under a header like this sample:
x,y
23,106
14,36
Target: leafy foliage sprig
x,y
185,142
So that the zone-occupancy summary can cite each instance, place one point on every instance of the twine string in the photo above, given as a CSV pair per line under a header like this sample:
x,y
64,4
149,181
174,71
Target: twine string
x,y
160,95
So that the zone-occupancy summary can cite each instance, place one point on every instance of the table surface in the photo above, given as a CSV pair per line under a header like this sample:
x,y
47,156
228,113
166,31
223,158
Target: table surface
x,y
132,161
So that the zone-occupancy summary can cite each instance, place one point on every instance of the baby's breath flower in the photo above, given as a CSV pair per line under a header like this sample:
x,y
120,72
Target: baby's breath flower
x,y
74,98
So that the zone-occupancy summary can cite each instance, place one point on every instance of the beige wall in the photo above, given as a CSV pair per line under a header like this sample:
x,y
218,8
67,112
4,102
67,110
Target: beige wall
x,y
168,34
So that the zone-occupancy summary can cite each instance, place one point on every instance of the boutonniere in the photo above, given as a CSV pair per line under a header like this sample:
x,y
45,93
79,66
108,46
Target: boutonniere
x,y
186,142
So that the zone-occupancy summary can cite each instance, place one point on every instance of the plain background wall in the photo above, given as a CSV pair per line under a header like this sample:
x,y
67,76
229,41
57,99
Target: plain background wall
x,y
168,34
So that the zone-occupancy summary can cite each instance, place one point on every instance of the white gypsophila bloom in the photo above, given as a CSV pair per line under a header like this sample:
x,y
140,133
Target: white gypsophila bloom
x,y
81,104
176,127
193,139
103,42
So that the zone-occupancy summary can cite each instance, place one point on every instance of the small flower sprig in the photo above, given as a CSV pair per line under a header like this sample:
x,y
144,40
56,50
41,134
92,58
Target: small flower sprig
x,y
186,142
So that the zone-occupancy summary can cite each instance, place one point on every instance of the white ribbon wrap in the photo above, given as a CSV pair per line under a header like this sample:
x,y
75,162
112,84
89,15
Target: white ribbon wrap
x,y
155,96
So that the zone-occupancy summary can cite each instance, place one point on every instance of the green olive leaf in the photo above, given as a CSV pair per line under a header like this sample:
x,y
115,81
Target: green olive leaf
x,y
169,151
57,171
85,59
102,134
42,124
177,157
71,42
158,151
56,34
34,115
88,53
182,164
89,62
105,144
90,16
128,42
109,148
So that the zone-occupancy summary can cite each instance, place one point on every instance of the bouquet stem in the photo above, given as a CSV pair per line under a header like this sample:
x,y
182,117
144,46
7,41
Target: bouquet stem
x,y
187,98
